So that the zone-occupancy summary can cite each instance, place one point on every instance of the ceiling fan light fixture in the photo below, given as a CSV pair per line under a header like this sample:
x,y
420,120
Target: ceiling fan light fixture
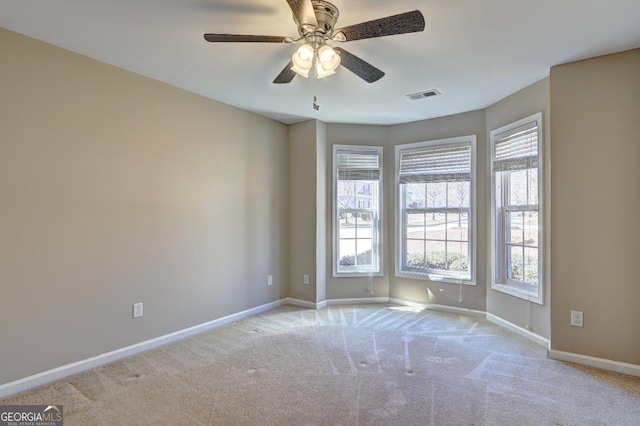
x,y
303,60
305,52
328,58
300,71
321,72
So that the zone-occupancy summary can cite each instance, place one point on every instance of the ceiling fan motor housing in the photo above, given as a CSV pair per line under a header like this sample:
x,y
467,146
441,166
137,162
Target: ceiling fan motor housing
x,y
326,14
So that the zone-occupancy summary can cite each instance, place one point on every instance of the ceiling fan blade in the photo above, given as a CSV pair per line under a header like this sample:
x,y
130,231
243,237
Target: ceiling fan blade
x,y
359,67
304,15
286,75
408,22
224,38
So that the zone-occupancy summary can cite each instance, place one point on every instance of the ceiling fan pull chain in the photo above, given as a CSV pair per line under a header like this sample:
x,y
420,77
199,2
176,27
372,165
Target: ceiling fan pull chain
x,y
316,105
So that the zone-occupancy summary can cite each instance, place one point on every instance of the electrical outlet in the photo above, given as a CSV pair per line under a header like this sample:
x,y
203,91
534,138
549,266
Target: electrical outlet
x,y
137,310
270,280
305,279
577,319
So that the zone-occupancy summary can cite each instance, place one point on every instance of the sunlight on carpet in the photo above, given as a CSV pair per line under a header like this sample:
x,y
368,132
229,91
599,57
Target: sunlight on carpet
x,y
345,365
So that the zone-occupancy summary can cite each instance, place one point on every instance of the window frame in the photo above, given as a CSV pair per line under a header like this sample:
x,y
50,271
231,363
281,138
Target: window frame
x,y
501,206
401,211
377,212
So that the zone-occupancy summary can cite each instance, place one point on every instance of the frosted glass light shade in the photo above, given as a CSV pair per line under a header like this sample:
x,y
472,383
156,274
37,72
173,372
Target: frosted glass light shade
x,y
328,58
321,72
303,60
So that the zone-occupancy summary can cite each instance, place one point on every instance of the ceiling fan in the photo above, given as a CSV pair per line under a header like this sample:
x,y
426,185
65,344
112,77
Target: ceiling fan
x,y
316,21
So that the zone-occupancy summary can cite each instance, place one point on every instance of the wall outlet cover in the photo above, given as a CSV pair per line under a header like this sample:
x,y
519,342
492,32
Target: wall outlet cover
x,y
577,319
137,310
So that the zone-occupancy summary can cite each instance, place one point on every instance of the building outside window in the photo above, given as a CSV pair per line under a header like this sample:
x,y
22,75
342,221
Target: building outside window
x,y
357,222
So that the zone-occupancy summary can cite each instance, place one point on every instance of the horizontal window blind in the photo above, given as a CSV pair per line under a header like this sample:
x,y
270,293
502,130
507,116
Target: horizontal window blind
x,y
438,163
517,149
360,165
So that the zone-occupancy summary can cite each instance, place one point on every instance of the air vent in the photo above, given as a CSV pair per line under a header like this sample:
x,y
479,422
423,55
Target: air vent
x,y
423,95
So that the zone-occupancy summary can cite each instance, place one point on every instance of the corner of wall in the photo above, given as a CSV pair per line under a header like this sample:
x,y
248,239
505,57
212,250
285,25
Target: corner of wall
x,y
522,313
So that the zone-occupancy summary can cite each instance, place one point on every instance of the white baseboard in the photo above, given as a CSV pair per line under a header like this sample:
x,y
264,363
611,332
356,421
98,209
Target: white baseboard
x,y
457,310
58,373
533,337
357,301
435,307
301,303
409,303
601,363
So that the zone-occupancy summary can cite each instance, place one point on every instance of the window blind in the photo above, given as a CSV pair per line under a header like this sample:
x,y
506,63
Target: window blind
x,y
359,165
517,149
439,163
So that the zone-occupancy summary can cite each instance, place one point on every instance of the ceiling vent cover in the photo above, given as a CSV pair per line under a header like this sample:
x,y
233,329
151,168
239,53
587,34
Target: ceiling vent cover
x,y
423,95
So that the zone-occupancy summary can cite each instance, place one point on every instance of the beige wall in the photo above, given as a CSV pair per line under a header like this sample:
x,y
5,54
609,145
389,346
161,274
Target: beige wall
x,y
530,100
595,210
473,297
115,189
322,211
303,212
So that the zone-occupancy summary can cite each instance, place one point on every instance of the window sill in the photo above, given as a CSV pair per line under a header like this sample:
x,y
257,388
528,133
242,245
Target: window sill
x,y
520,292
435,278
356,274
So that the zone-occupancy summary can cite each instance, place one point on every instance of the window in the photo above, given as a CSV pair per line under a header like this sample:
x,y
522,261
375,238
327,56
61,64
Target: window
x,y
516,192
436,210
357,189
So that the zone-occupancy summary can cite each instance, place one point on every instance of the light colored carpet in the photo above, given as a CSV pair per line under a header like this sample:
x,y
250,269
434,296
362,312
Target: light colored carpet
x,y
345,365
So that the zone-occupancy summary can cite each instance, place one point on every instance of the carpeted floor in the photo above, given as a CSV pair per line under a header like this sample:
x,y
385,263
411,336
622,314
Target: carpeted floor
x,y
345,365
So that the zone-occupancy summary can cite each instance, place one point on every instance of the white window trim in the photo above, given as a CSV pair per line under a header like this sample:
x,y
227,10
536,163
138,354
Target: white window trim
x,y
379,229
472,214
523,291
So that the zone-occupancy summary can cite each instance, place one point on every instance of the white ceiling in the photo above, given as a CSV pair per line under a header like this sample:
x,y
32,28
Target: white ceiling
x,y
475,52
